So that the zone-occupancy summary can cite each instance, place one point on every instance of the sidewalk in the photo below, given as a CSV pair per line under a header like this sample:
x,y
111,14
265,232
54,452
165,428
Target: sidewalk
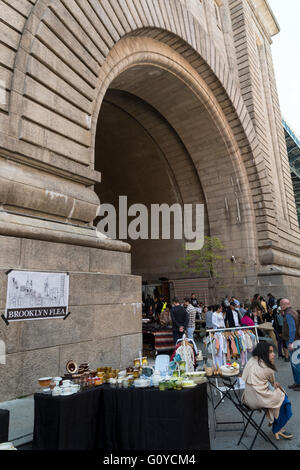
x,y
20,420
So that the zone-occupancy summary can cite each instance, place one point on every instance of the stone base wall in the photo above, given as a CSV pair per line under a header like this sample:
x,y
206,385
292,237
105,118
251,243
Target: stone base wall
x,y
281,285
104,327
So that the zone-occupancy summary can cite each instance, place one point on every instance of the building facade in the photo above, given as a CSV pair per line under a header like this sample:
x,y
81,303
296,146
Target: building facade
x,y
164,101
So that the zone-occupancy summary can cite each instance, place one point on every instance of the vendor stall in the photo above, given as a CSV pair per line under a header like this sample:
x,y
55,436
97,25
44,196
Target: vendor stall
x,y
109,418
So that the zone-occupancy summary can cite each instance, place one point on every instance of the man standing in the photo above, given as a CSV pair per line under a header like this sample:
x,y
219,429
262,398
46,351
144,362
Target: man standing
x,y
192,318
180,319
232,317
291,334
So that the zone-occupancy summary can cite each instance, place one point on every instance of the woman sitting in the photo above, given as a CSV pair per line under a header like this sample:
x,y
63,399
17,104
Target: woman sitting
x,y
262,392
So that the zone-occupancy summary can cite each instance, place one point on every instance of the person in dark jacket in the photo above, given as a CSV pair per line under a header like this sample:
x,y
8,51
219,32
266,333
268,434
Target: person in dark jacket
x,y
277,325
232,316
271,301
180,319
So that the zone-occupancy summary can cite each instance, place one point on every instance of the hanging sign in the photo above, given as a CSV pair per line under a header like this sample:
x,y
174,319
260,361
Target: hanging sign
x,y
36,296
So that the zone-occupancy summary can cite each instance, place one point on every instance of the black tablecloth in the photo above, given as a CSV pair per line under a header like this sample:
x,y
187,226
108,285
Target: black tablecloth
x,y
4,425
119,419
67,423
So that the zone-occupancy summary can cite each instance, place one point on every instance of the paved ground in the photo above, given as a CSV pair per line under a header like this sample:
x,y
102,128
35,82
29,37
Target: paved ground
x,y
22,416
20,419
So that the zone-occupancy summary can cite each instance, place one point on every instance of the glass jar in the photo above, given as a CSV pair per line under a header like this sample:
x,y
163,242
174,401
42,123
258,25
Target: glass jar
x,y
136,363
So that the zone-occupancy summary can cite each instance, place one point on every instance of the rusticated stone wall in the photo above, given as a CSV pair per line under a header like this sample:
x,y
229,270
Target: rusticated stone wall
x,y
202,87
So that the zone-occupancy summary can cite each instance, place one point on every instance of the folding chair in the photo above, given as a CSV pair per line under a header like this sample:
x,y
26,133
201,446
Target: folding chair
x,y
229,386
247,413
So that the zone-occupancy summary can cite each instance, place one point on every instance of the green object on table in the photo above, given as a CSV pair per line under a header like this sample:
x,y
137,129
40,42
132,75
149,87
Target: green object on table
x,y
162,386
178,385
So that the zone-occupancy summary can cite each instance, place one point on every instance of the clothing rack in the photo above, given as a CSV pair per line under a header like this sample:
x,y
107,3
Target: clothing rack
x,y
220,330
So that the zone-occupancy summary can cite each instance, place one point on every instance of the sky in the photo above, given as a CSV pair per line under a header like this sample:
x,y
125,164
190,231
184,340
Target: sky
x,y
286,57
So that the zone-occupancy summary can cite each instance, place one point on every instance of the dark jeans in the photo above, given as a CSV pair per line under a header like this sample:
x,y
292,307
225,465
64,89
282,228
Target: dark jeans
x,y
285,415
177,334
279,342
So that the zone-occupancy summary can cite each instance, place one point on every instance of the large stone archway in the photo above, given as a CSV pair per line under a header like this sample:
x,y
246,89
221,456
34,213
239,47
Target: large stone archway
x,y
208,168
60,60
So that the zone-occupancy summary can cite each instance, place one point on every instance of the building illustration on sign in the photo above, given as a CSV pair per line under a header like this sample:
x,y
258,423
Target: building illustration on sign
x,y
36,294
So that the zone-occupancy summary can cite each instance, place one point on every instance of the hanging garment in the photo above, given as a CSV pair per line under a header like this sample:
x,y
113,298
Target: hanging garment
x,y
219,347
187,354
188,350
237,345
233,347
249,342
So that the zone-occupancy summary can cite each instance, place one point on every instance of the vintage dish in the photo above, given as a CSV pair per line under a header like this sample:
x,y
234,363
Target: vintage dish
x,y
56,391
120,383
141,383
66,382
125,383
197,373
198,377
45,381
57,380
67,391
112,382
229,371
188,384
72,367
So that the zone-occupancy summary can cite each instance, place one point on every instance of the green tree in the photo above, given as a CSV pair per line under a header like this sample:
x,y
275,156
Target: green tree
x,y
207,262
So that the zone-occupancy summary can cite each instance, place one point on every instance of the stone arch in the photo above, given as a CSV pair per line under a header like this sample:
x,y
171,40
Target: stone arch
x,y
131,55
61,124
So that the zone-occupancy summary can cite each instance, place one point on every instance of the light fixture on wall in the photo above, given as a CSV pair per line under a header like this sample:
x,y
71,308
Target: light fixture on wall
x,y
233,259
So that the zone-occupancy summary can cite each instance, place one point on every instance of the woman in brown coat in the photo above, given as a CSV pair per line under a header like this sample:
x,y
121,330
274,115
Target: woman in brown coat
x,y
262,392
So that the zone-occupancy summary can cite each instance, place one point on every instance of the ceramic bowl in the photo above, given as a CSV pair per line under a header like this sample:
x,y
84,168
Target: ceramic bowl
x,y
45,381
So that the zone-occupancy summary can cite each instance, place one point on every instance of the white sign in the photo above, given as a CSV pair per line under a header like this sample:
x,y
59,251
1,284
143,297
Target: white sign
x,y
36,295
